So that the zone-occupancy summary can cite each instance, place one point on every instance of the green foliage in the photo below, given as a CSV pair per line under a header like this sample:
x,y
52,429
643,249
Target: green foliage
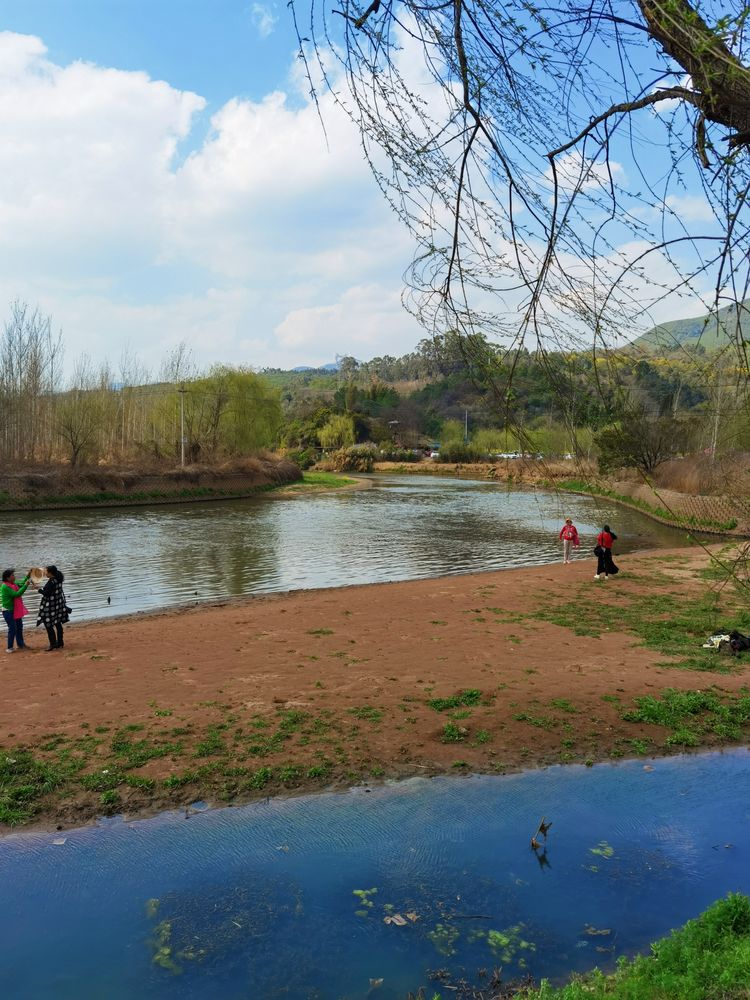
x,y
707,959
337,433
24,780
302,457
367,712
326,480
470,697
394,454
639,440
229,411
357,458
451,733
693,716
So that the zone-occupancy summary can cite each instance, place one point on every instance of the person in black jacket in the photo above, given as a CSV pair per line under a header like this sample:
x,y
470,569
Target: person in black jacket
x,y
53,609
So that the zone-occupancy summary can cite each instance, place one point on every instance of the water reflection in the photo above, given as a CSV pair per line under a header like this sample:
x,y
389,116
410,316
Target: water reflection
x,y
290,897
404,528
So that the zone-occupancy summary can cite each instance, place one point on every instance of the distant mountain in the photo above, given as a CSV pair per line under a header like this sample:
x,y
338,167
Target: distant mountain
x,y
711,331
332,366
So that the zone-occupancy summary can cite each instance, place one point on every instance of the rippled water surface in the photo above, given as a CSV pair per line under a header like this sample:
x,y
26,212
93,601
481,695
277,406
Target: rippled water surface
x,y
259,902
404,528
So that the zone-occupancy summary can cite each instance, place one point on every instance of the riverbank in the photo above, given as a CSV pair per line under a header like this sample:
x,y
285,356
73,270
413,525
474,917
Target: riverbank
x,y
63,488
488,672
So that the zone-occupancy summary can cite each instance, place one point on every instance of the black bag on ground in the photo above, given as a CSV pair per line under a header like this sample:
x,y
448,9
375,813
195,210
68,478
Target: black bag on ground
x,y
740,643
736,643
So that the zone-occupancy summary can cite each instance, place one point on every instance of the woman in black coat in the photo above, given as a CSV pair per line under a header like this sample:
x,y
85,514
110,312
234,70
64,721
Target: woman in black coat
x,y
53,609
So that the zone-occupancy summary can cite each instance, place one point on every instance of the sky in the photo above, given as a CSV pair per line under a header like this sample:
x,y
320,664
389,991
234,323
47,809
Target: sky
x,y
163,179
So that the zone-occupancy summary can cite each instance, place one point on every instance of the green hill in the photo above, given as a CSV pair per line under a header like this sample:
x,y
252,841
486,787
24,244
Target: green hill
x,y
711,331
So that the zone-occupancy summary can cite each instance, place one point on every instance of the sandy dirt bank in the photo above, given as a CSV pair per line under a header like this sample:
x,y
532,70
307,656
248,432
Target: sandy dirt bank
x,y
486,672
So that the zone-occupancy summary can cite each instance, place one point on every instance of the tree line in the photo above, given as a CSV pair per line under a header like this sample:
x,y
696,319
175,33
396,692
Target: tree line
x,y
104,415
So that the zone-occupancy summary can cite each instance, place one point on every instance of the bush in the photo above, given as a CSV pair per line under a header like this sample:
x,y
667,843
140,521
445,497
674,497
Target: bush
x,y
394,454
303,457
358,458
458,453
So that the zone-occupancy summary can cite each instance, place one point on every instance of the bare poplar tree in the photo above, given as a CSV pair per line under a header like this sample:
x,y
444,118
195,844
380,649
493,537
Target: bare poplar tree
x,y
30,361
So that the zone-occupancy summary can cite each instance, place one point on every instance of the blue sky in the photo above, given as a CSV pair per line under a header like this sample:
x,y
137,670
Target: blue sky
x,y
163,178
214,48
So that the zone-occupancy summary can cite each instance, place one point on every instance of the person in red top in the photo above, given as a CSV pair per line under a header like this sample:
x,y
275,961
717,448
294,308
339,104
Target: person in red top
x,y
605,566
569,536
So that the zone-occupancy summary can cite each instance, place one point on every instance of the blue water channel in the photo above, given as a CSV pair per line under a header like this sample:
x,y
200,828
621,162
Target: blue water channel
x,y
288,898
404,528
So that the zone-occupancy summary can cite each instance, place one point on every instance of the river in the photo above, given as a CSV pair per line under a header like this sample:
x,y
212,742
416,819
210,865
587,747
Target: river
x,y
122,560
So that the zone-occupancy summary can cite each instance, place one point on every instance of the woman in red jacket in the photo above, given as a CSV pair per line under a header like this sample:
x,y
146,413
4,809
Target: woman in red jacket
x,y
569,536
605,566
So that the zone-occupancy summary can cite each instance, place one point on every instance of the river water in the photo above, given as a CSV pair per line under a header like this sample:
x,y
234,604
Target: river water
x,y
288,897
404,528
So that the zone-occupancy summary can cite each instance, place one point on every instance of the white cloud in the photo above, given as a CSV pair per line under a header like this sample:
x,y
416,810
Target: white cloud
x,y
690,208
263,18
578,173
267,222
369,318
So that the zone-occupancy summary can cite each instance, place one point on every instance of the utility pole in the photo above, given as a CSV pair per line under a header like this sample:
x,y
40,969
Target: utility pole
x,y
182,391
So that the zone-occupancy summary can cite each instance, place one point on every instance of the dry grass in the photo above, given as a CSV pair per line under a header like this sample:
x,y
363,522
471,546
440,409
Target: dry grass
x,y
699,474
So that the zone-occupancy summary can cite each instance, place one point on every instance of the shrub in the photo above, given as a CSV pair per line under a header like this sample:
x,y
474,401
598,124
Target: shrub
x,y
458,453
303,458
393,454
357,458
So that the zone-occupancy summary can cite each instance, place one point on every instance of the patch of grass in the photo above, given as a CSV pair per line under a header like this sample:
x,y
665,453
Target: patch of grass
x,y
564,705
470,697
322,480
540,721
706,958
451,733
260,778
318,771
694,717
104,780
140,781
136,753
25,780
366,712
320,631
212,744
289,774
179,780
